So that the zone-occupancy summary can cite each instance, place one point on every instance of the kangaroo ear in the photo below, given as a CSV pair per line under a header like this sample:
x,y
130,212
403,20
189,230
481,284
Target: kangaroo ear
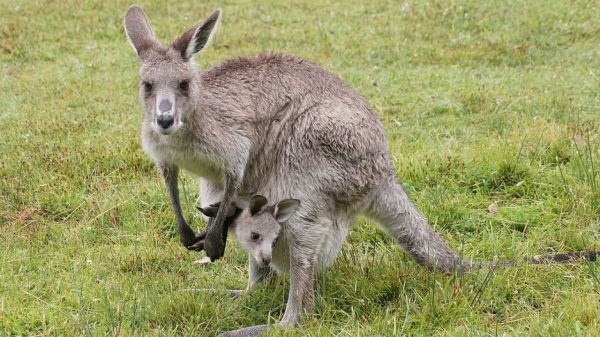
x,y
197,37
257,203
138,30
285,209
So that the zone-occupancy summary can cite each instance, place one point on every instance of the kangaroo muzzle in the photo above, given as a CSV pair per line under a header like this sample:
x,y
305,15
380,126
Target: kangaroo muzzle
x,y
166,122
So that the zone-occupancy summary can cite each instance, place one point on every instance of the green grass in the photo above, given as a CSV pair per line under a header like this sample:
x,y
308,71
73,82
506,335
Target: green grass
x,y
483,102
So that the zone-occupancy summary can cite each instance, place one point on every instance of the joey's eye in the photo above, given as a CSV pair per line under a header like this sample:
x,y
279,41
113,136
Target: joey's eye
x,y
147,86
184,85
275,241
254,236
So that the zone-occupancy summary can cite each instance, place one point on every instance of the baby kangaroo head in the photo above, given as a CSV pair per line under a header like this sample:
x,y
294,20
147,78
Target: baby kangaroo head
x,y
258,227
169,87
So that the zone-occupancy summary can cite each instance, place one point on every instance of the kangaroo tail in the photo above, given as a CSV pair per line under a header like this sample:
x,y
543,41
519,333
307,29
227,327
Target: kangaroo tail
x,y
571,257
394,211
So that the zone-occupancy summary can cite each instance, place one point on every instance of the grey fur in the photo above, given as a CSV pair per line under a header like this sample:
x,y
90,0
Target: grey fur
x,y
283,127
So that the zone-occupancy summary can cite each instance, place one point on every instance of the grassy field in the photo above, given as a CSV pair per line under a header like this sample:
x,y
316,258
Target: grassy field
x,y
493,116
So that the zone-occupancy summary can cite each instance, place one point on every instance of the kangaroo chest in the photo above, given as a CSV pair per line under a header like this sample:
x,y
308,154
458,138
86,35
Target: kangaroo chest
x,y
185,155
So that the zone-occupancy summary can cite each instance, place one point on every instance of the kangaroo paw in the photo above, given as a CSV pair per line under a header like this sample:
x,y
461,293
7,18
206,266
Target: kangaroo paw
x,y
214,247
198,245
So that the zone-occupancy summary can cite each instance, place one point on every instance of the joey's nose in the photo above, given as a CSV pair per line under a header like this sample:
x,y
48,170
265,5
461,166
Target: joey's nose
x,y
165,121
266,260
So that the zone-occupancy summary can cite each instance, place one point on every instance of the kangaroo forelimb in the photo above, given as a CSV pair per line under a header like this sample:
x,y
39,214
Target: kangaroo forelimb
x,y
211,212
186,233
214,243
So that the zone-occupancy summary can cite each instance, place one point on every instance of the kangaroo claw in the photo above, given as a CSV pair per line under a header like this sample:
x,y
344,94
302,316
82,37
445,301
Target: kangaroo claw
x,y
198,246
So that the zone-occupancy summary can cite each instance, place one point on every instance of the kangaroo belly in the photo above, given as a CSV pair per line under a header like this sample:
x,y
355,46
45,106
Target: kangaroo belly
x,y
329,246
324,248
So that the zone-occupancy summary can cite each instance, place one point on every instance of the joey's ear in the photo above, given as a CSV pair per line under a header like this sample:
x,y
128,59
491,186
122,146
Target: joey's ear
x,y
197,37
285,209
138,30
257,203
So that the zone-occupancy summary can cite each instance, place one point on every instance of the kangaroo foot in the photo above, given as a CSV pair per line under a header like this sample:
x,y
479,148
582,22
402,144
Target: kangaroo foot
x,y
251,331
235,293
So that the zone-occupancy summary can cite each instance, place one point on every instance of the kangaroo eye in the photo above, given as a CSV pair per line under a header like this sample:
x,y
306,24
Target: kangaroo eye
x,y
147,86
275,241
184,85
254,236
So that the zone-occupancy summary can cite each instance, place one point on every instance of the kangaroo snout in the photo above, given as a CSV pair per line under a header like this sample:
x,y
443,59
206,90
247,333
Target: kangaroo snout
x,y
263,258
165,106
165,121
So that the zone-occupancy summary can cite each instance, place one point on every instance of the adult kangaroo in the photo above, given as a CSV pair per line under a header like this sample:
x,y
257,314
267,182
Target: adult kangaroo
x,y
278,126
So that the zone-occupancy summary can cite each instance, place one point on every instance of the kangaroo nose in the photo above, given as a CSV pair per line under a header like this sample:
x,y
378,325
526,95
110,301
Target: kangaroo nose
x,y
165,121
165,105
266,260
